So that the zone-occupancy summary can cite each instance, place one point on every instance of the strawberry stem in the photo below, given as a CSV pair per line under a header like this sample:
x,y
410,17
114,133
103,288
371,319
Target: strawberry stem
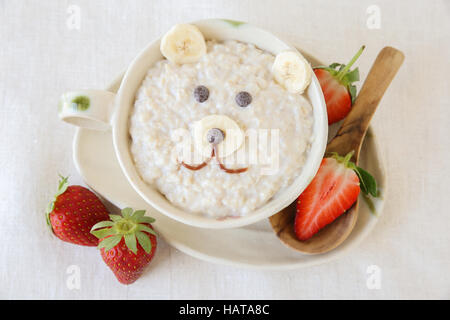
x,y
345,160
347,67
348,157
126,226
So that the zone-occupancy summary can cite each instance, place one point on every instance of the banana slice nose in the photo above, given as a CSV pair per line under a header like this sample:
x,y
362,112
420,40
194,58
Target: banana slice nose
x,y
232,135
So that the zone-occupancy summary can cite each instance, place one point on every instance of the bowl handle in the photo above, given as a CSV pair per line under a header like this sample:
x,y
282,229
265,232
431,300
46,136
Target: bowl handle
x,y
91,109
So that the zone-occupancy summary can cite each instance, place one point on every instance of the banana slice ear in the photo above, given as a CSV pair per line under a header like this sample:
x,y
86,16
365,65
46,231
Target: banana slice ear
x,y
291,70
184,43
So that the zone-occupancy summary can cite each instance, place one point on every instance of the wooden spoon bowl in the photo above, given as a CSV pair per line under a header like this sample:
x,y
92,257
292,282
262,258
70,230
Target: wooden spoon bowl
x,y
349,138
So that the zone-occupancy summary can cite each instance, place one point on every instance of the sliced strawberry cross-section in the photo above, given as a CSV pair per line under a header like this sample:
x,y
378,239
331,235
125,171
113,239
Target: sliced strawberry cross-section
x,y
334,189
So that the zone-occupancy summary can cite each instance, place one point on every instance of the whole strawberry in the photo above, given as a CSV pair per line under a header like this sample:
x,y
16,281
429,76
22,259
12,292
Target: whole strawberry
x,y
128,243
337,86
73,212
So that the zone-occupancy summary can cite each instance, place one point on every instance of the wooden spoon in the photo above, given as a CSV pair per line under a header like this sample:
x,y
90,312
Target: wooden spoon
x,y
349,137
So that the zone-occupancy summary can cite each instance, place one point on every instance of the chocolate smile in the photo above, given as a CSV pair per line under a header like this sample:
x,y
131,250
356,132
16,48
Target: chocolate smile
x,y
214,137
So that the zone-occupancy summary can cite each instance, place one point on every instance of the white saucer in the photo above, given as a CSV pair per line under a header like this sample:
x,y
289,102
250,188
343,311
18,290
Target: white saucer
x,y
254,246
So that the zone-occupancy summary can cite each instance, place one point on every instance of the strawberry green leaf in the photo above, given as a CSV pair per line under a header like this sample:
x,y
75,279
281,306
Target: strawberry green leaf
x,y
331,68
102,233
345,160
102,224
50,208
115,217
368,182
130,241
352,90
138,214
352,76
362,184
144,241
328,69
146,219
110,242
142,227
62,186
127,212
335,65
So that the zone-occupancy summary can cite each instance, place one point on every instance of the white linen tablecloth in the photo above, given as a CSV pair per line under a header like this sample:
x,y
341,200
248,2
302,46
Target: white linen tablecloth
x,y
45,52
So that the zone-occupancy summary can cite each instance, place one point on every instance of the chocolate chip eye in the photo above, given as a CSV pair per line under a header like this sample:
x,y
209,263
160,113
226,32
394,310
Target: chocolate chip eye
x,y
243,99
201,94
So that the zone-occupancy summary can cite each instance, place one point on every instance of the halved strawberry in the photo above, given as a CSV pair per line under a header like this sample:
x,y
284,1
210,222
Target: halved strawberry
x,y
337,86
334,189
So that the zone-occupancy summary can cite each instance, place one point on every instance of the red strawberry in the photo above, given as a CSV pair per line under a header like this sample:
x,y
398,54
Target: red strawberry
x,y
128,243
334,189
338,90
73,212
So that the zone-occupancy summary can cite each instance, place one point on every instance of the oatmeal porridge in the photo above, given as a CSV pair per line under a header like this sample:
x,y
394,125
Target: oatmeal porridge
x,y
232,84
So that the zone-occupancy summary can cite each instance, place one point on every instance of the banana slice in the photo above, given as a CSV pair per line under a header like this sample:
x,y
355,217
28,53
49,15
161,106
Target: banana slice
x,y
292,71
232,140
184,43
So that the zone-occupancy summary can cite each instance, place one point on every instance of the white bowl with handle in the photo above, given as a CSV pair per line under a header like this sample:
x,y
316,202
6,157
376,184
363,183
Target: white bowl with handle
x,y
103,110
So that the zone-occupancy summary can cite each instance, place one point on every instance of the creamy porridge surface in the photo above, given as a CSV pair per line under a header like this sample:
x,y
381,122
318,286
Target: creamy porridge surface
x,y
165,102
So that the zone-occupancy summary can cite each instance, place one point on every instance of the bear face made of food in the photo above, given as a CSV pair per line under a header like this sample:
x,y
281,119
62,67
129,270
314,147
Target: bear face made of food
x,y
220,127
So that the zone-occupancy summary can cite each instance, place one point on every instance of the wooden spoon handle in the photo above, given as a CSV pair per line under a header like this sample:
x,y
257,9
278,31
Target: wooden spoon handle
x,y
355,125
